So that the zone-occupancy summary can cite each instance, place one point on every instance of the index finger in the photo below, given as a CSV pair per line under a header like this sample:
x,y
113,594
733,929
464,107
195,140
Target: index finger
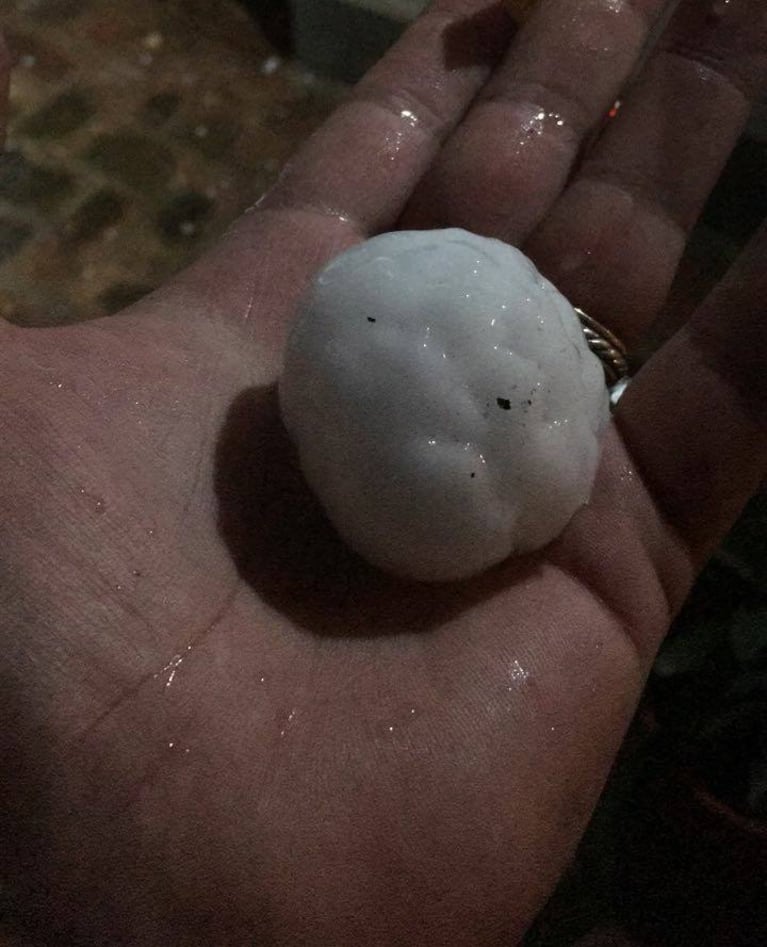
x,y
354,175
363,163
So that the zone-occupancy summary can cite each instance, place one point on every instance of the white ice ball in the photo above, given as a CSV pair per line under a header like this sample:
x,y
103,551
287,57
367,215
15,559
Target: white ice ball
x,y
443,401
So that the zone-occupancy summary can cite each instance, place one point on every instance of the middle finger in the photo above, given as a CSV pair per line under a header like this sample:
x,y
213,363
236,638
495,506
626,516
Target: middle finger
x,y
509,159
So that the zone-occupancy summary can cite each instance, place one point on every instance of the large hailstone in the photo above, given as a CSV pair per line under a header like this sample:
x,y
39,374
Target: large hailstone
x,y
443,401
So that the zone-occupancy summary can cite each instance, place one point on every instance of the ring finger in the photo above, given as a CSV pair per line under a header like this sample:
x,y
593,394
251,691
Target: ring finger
x,y
613,241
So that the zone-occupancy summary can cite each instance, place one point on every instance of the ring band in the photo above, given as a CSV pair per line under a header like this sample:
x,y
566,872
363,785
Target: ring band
x,y
606,346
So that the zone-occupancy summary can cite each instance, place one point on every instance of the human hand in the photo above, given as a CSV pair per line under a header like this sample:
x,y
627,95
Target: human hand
x,y
221,727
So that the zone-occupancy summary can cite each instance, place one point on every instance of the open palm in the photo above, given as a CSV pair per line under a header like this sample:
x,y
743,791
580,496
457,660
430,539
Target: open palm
x,y
219,725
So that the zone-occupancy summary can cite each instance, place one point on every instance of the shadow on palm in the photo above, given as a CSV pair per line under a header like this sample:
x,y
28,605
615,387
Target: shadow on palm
x,y
285,548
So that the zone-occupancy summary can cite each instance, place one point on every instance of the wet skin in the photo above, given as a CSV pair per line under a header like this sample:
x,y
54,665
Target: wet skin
x,y
219,726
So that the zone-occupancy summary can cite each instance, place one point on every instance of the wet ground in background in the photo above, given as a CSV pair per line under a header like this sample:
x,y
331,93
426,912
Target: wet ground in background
x,y
138,132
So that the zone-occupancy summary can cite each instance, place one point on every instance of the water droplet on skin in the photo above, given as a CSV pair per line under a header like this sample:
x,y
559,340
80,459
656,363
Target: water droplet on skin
x,y
289,722
531,128
98,503
410,117
537,123
171,668
393,144
396,728
517,672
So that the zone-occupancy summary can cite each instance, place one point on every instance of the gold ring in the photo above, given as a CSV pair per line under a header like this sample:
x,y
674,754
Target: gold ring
x,y
606,346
